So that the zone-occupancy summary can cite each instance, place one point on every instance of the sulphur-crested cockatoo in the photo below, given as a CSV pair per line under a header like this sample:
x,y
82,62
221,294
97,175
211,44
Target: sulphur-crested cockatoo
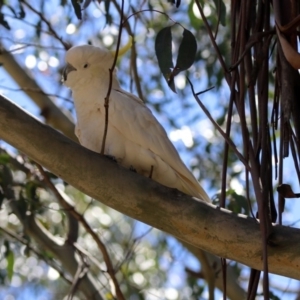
x,y
134,138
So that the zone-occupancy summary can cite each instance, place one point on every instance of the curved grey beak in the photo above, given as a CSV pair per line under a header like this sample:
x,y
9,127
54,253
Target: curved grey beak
x,y
68,68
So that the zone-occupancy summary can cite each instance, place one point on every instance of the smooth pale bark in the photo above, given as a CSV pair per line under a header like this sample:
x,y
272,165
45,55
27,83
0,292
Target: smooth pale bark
x,y
215,230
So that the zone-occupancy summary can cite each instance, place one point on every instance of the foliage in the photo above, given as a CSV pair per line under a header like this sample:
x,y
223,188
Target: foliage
x,y
232,48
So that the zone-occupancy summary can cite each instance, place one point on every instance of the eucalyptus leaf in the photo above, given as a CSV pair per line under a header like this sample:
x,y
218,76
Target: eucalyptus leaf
x,y
77,8
163,51
221,10
3,22
186,53
10,257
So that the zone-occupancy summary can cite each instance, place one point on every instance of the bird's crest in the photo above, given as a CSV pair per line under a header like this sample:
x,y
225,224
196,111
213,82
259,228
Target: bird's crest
x,y
124,49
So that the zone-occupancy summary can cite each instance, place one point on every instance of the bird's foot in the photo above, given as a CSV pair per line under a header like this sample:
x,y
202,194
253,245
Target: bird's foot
x,y
111,157
151,172
131,168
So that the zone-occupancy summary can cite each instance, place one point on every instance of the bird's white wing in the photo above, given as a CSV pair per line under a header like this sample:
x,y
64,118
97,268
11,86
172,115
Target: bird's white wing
x,y
145,144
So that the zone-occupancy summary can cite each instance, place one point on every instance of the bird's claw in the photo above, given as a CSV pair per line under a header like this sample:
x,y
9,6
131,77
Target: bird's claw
x,y
151,172
113,158
131,168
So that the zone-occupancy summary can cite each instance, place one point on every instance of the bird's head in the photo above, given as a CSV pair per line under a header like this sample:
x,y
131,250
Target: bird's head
x,y
85,63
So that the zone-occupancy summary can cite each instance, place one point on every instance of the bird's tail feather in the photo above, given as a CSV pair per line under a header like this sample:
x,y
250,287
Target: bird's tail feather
x,y
193,188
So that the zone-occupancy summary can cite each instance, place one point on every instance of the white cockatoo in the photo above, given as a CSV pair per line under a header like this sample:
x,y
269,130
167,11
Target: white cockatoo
x,y
134,137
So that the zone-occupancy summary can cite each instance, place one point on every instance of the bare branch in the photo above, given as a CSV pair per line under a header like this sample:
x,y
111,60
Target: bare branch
x,y
111,72
51,30
203,225
54,116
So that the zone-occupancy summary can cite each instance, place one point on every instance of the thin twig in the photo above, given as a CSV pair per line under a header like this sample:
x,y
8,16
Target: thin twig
x,y
222,62
82,270
51,30
32,25
218,23
35,91
27,44
224,135
111,70
147,10
133,53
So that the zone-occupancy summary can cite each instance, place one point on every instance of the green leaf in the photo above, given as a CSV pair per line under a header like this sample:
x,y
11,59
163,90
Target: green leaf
x,y
6,177
10,265
186,56
63,2
177,2
77,8
221,10
107,5
108,16
30,189
195,22
238,203
22,12
86,4
4,158
171,83
163,51
4,22
186,53
10,257
1,197
38,28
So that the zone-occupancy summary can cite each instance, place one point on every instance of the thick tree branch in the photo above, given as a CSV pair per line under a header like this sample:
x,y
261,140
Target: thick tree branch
x,y
203,225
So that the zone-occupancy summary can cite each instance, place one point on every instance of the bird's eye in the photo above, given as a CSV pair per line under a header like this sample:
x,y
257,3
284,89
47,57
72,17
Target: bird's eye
x,y
85,66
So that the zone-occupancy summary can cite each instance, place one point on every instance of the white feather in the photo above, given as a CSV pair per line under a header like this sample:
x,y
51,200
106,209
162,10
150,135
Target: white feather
x,y
135,138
